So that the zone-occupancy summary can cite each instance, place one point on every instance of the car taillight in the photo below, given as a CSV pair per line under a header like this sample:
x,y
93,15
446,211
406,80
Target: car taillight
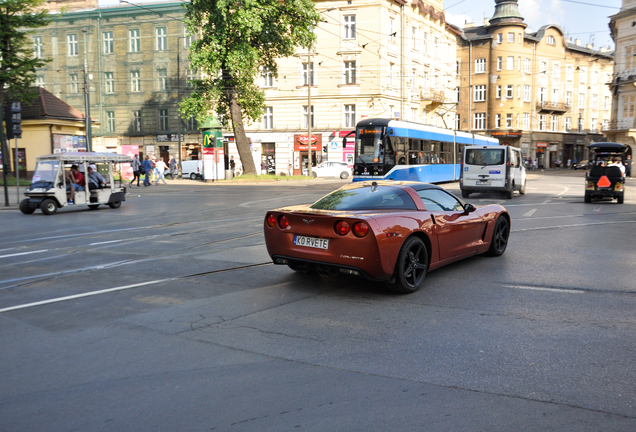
x,y
271,220
283,222
360,229
342,228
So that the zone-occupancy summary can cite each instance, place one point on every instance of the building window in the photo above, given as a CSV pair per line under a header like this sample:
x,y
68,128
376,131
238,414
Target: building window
x,y
350,115
518,92
498,92
304,124
582,75
555,95
436,47
458,123
510,63
568,99
349,72
569,73
497,121
163,79
109,82
392,30
349,27
39,81
511,38
554,126
188,38
134,40
550,40
499,37
509,91
594,101
135,81
479,121
542,120
163,119
136,121
556,71
605,124
268,78
581,100
74,83
526,93
425,43
192,124
526,121
581,127
110,121
38,47
499,63
191,75
162,39
630,52
567,125
391,72
480,93
527,68
595,77
268,118
628,106
543,94
480,65
606,103
509,116
109,43
73,48
543,67
593,125
413,38
308,72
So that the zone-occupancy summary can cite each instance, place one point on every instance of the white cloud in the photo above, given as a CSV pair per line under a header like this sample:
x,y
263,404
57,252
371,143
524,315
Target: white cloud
x,y
458,20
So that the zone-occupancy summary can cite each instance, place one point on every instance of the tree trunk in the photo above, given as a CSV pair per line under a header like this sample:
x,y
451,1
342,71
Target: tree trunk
x,y
242,142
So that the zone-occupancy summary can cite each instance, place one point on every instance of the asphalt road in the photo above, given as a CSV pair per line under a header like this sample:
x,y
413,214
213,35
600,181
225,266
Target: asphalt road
x,y
167,314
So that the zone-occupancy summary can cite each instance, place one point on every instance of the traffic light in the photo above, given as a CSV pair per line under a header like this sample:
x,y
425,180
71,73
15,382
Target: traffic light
x,y
13,120
324,148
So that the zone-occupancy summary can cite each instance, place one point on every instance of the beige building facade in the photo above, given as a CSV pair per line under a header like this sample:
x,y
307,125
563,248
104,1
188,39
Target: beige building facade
x,y
538,91
623,27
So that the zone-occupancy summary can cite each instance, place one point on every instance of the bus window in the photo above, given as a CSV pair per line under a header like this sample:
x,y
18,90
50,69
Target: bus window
x,y
369,148
446,153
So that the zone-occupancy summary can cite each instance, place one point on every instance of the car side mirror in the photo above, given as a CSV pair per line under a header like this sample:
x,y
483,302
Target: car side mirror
x,y
469,208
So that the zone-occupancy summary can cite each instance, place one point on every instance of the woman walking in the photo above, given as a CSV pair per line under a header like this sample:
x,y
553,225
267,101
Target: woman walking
x,y
160,167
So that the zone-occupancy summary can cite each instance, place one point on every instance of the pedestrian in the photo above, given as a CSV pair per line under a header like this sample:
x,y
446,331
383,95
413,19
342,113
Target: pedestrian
x,y
289,169
173,165
569,163
574,164
147,166
232,165
263,168
160,166
628,166
135,164
153,162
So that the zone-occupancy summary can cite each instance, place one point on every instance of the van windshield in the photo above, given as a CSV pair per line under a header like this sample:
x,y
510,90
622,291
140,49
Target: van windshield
x,y
484,157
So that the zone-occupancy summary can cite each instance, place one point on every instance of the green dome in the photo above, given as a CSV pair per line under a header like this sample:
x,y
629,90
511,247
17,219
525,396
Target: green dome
x,y
506,11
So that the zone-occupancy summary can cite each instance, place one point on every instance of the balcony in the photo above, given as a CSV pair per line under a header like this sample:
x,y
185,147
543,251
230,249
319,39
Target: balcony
x,y
553,107
619,125
431,99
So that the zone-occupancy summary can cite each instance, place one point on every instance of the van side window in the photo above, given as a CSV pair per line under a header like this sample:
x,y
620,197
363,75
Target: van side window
x,y
513,158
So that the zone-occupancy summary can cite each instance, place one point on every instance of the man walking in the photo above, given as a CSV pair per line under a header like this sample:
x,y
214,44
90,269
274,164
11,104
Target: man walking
x,y
148,167
232,165
628,166
160,167
173,165
135,164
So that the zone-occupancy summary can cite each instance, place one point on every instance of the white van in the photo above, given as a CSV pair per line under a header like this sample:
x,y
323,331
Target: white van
x,y
192,169
492,169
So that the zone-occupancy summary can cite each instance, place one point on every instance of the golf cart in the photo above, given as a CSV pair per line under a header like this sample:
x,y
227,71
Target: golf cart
x,y
605,178
48,190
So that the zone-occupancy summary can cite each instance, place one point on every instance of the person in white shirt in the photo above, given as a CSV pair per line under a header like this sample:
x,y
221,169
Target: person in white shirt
x,y
617,162
161,166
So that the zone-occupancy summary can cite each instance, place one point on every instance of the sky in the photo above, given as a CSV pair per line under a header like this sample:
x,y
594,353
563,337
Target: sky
x,y
583,19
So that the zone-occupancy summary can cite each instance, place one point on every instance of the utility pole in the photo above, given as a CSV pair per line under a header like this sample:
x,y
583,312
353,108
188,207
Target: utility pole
x,y
310,78
179,99
6,155
87,107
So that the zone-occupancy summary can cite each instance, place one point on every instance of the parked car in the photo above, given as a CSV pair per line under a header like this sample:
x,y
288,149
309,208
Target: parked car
x,y
192,169
332,169
388,231
582,165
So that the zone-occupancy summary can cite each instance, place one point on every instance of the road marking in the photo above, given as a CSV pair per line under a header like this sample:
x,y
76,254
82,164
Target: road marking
x,y
246,204
88,294
571,226
106,242
547,202
597,208
23,253
565,189
530,213
534,288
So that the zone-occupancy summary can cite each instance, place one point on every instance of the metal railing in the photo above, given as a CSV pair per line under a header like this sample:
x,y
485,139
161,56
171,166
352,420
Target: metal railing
x,y
554,106
432,95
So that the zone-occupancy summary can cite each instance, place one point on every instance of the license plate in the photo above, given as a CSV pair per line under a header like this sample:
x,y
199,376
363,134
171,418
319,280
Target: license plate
x,y
311,242
483,182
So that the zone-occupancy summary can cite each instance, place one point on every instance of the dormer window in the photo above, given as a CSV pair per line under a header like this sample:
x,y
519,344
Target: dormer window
x,y
550,40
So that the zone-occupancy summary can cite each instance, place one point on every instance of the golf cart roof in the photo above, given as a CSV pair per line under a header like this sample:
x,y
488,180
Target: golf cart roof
x,y
608,147
85,156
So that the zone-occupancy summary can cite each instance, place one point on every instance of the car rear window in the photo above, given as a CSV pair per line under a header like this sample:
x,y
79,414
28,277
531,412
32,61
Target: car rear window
x,y
366,198
484,156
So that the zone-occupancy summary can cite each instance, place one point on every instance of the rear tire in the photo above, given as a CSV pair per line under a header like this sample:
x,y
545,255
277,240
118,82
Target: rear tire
x,y
465,194
588,198
500,237
620,199
24,207
298,267
522,191
411,267
48,207
509,194
193,176
115,205
93,206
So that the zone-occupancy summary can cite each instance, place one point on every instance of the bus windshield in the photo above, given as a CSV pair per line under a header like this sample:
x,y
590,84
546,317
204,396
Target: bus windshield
x,y
370,147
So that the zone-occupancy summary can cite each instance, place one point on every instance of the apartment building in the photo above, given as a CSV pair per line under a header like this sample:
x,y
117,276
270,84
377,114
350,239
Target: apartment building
x,y
538,91
623,27
136,59
373,58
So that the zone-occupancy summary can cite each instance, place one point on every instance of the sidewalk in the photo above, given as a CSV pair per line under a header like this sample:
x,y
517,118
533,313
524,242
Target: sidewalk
x,y
14,199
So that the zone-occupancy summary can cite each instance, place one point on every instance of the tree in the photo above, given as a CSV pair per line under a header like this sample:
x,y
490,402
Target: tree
x,y
236,41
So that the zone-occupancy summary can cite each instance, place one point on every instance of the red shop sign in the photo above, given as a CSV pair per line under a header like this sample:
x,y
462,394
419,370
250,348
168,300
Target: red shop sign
x,y
303,139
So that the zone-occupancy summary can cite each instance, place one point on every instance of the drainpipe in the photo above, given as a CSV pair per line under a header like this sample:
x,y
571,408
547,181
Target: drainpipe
x,y
532,103
99,73
402,34
470,86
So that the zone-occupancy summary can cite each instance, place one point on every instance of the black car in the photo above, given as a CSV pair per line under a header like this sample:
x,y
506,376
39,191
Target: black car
x,y
606,179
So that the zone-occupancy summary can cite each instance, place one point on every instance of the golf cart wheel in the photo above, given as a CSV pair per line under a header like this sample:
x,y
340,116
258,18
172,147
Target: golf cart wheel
x,y
193,176
344,175
48,207
115,205
588,198
620,199
93,206
25,208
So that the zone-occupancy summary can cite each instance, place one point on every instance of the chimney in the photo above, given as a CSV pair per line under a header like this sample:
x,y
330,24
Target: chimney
x,y
603,49
469,25
577,42
486,22
589,46
568,40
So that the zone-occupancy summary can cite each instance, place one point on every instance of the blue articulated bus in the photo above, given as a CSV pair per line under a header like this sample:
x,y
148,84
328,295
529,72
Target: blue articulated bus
x,y
388,149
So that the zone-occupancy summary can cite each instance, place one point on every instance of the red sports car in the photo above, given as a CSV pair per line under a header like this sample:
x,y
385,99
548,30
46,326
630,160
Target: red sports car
x,y
387,231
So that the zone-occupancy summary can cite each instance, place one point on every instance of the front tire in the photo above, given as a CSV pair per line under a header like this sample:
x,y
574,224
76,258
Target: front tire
x,y
522,191
48,207
411,267
500,237
344,175
93,206
314,174
25,208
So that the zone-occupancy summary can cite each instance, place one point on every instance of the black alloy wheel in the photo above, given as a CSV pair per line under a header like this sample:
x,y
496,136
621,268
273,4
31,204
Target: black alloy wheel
x,y
411,267
499,237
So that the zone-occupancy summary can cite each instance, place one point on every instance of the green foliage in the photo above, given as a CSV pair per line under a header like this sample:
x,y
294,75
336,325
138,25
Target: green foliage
x,y
18,19
236,39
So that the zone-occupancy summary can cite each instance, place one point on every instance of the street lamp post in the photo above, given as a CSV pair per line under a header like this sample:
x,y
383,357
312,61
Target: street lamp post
x,y
310,73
